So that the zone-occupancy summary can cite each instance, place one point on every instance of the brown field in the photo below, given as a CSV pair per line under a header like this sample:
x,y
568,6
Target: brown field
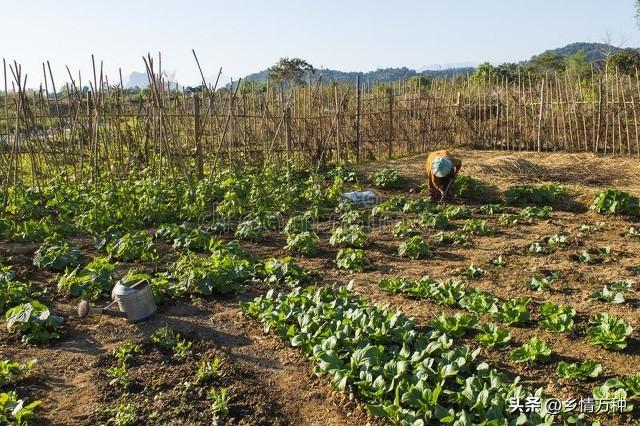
x,y
271,383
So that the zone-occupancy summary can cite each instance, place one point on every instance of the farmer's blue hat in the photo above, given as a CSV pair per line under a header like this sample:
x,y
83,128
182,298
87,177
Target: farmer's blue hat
x,y
441,167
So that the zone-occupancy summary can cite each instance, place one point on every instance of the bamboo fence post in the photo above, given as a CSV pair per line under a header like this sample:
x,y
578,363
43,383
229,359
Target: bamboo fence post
x,y
358,111
540,112
197,132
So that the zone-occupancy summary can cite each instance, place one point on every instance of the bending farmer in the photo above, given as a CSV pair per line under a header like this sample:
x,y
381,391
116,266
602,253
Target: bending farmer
x,y
442,168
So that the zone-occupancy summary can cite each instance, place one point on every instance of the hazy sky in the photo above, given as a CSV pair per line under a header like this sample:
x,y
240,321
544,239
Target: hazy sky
x,y
247,36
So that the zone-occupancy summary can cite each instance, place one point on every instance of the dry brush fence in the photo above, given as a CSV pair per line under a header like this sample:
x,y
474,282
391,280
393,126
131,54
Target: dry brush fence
x,y
103,131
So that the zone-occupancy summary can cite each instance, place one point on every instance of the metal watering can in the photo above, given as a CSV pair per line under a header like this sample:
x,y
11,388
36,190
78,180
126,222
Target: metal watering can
x,y
135,303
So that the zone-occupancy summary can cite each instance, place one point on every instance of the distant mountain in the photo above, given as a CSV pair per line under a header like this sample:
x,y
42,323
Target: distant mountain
x,y
596,52
381,75
442,67
137,79
140,80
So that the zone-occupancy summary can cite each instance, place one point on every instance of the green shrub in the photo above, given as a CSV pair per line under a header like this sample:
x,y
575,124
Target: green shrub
x,y
415,248
56,254
303,243
613,202
387,178
132,246
476,227
352,259
534,194
88,282
468,188
348,236
250,230
34,321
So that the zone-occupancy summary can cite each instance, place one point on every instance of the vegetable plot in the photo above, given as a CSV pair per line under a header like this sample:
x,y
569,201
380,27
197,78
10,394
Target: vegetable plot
x,y
402,375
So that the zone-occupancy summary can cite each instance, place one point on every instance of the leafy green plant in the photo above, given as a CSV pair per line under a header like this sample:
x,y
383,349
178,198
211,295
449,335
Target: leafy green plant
x,y
393,204
633,232
283,271
456,238
414,247
556,318
250,230
223,272
473,272
508,219
34,321
609,331
219,403
574,371
15,411
208,369
123,415
534,350
467,187
185,236
417,206
11,371
540,283
352,259
89,282
403,229
457,212
353,217
614,202
608,296
387,178
133,246
493,336
126,352
433,220
447,293
585,257
477,227
478,302
607,392
499,262
630,384
590,228
492,209
303,243
352,236
512,311
454,326
169,339
534,194
536,248
297,224
531,213
56,254
119,375
557,240
12,291
396,285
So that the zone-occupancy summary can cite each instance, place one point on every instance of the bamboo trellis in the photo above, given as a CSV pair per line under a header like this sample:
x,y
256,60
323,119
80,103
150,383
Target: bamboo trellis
x,y
103,131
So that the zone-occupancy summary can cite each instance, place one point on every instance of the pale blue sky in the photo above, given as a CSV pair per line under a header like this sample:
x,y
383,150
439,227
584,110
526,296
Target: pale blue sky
x,y
247,36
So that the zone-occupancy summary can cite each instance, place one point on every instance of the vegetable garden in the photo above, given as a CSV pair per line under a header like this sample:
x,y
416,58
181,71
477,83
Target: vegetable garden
x,y
278,303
